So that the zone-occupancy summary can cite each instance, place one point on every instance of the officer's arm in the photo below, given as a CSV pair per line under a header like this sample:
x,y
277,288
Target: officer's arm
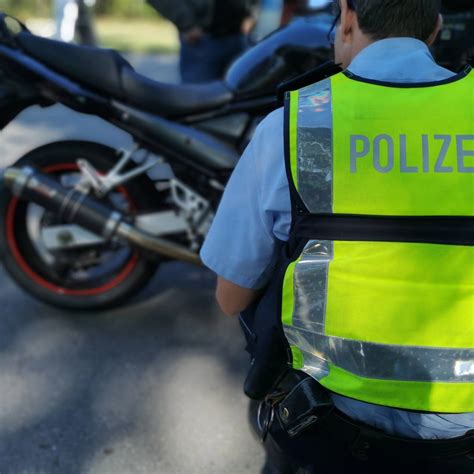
x,y
233,298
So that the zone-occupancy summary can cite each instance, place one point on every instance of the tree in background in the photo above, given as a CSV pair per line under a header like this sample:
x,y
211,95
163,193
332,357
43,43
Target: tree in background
x,y
125,25
45,8
26,8
126,8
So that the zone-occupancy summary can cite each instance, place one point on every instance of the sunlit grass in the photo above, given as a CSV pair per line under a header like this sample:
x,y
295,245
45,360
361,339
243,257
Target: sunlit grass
x,y
129,35
144,36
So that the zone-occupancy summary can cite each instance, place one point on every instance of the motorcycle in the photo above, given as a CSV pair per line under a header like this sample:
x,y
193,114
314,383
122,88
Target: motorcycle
x,y
84,226
455,44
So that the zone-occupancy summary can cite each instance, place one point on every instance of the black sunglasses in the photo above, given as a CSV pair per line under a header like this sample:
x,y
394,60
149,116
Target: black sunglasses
x,y
336,10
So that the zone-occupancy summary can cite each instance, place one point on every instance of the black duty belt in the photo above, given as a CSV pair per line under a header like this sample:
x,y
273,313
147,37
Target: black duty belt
x,y
307,406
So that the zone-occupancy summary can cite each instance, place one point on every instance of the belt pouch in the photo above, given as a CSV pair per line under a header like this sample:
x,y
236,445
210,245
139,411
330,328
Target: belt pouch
x,y
307,403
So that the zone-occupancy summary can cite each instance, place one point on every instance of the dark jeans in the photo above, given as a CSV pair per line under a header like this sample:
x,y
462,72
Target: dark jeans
x,y
317,451
208,59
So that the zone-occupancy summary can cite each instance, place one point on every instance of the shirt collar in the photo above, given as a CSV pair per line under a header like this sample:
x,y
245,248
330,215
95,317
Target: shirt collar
x,y
382,59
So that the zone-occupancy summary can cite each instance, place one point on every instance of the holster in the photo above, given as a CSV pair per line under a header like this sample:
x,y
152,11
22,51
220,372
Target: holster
x,y
303,406
266,342
296,403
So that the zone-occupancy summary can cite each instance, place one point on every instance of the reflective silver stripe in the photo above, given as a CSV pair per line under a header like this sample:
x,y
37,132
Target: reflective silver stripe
x,y
381,361
315,187
314,147
310,283
365,359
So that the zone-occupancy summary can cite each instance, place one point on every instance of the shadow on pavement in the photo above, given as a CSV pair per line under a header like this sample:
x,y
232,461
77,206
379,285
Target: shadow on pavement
x,y
152,387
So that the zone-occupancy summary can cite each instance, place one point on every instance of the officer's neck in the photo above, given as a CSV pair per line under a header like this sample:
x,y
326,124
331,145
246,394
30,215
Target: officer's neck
x,y
359,42
353,40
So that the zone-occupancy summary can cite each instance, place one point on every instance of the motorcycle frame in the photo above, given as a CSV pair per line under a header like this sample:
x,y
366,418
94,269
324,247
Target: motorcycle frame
x,y
178,140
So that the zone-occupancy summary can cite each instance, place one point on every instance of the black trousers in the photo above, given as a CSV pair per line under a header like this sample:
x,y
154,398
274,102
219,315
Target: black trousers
x,y
319,450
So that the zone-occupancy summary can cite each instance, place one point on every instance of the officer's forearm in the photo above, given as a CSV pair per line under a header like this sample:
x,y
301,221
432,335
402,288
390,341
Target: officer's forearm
x,y
233,298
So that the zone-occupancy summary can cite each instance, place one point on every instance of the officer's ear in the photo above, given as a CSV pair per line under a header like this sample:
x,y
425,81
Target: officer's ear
x,y
348,22
439,26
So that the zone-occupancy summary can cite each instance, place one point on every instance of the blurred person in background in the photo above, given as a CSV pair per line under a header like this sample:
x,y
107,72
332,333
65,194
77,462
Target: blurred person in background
x,y
74,20
212,33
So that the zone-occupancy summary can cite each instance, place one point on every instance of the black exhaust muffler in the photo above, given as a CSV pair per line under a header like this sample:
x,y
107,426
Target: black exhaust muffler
x,y
74,206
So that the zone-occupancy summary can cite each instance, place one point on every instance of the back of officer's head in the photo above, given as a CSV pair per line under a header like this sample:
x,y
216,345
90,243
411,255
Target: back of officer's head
x,y
365,21
398,18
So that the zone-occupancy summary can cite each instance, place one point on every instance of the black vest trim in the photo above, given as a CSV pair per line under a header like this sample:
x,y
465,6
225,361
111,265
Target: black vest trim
x,y
410,85
324,71
419,229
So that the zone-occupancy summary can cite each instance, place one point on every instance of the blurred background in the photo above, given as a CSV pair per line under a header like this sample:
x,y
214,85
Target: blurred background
x,y
119,24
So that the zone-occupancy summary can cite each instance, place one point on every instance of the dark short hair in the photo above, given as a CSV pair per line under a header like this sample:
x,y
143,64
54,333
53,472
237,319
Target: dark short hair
x,y
394,18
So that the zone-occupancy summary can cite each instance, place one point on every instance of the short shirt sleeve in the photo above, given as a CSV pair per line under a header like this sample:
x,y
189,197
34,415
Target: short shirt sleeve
x,y
255,211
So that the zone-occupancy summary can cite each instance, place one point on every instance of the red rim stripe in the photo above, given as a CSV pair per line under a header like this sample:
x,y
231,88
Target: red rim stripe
x,y
10,226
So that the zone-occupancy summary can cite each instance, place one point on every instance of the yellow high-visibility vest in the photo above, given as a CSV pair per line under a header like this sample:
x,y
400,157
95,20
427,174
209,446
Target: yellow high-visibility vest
x,y
389,322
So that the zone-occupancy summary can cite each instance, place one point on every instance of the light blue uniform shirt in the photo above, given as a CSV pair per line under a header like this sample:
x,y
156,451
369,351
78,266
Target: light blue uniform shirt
x,y
255,211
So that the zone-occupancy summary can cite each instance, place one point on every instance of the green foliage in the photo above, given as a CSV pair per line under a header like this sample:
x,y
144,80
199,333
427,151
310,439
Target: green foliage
x,y
124,8
26,8
44,8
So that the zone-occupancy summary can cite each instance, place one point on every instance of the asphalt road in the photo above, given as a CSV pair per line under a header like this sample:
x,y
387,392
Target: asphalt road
x,y
151,387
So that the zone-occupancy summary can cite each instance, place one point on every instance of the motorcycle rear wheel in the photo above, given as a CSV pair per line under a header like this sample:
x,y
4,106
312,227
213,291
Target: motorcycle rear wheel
x,y
60,280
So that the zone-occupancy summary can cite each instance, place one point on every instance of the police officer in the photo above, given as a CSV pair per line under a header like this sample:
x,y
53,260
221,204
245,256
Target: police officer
x,y
346,234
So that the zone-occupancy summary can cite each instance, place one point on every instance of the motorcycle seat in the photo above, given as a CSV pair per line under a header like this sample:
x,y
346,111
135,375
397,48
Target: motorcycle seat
x,y
106,71
173,100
